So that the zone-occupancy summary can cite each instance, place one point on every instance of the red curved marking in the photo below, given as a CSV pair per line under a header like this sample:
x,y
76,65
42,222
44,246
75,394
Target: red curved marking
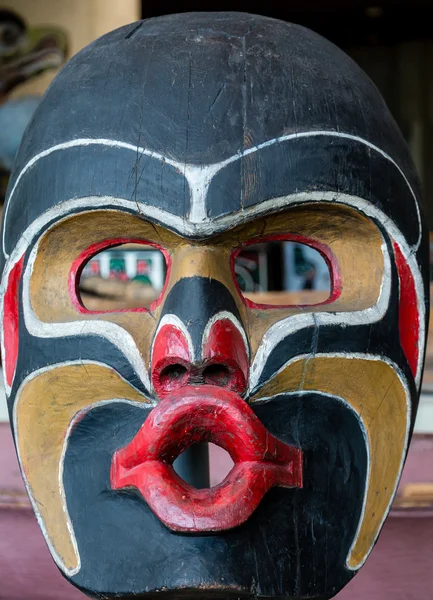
x,y
205,414
225,346
408,315
325,251
170,347
10,321
80,262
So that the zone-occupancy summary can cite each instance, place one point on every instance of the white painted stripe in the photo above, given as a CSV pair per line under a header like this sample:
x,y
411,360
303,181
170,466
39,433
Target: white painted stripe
x,y
112,332
400,375
199,177
224,314
170,319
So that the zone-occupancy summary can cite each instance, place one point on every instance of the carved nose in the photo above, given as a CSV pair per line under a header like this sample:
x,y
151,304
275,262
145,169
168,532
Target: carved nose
x,y
223,361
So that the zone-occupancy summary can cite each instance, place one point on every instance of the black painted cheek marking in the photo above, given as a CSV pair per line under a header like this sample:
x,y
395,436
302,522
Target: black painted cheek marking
x,y
195,300
357,339
35,353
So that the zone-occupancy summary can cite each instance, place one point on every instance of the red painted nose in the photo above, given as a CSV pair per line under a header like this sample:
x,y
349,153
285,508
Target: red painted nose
x,y
223,361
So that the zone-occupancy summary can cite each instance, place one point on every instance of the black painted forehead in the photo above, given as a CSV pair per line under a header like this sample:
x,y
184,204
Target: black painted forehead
x,y
200,87
207,115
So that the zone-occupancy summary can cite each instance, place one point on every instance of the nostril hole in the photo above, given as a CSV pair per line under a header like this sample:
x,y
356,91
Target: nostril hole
x,y
172,376
216,374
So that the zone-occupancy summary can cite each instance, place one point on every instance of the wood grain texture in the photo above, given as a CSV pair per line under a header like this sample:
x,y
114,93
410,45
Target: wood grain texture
x,y
375,392
44,409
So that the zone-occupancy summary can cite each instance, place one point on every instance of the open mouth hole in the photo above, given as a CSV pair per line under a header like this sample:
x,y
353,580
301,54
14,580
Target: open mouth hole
x,y
203,465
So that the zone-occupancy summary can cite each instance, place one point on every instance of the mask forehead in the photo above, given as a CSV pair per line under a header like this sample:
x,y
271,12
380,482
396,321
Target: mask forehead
x,y
201,141
296,114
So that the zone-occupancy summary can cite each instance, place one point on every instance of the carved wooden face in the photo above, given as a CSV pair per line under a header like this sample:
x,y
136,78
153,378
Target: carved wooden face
x,y
237,143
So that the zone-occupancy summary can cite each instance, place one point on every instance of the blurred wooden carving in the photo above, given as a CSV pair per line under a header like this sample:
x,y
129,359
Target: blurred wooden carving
x,y
25,53
111,294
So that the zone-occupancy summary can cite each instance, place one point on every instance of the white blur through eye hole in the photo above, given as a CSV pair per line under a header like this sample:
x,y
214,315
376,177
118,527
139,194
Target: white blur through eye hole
x,y
122,277
282,273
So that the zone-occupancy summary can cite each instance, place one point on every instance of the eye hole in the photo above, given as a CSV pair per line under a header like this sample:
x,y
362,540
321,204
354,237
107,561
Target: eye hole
x,y
119,276
285,273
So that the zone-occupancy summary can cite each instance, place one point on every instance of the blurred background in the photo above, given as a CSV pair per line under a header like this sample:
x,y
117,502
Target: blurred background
x,y
393,42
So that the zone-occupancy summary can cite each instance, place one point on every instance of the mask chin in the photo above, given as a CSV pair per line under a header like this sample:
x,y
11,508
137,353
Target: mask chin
x,y
332,490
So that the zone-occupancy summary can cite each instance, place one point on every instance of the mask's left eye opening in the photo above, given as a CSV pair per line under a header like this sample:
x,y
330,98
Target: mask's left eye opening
x,y
279,271
119,275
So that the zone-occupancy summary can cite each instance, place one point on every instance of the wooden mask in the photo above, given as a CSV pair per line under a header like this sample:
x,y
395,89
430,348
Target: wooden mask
x,y
199,134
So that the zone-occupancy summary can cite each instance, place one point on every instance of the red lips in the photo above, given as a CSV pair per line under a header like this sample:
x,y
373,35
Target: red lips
x,y
205,414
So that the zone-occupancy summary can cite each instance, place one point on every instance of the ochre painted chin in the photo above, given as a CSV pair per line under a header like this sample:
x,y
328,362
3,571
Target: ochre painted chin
x,y
45,406
196,414
377,394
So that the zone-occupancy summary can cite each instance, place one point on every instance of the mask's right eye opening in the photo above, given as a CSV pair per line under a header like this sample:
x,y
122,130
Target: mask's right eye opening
x,y
279,272
121,277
